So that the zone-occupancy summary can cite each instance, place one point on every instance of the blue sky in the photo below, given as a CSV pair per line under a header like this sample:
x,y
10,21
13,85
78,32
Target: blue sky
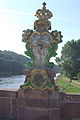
x,y
18,15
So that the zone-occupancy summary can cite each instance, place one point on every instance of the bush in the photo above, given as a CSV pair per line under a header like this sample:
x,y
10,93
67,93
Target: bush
x,y
78,76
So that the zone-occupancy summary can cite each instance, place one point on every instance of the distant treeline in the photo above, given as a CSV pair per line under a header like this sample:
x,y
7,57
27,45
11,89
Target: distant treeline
x,y
12,63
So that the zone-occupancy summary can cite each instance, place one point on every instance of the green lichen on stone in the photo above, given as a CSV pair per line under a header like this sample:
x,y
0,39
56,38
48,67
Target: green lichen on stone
x,y
52,53
29,53
48,85
27,85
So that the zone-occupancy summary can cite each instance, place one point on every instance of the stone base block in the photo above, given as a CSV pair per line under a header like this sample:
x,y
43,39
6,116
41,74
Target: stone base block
x,y
38,105
38,94
29,113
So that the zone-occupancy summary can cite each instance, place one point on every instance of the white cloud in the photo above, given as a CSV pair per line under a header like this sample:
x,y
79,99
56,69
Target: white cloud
x,y
14,11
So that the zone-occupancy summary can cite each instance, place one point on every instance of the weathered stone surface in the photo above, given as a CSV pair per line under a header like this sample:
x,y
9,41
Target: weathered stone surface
x,y
70,111
32,113
53,95
33,94
54,114
40,47
8,93
32,98
32,103
7,107
39,105
38,98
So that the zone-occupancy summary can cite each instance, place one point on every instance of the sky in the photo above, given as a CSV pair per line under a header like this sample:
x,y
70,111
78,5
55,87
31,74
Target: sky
x,y
18,15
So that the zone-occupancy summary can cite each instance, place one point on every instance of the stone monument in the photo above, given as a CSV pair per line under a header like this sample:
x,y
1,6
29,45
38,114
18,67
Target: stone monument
x,y
41,45
38,94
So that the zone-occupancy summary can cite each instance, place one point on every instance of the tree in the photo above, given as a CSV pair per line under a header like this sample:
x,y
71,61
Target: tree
x,y
12,63
70,59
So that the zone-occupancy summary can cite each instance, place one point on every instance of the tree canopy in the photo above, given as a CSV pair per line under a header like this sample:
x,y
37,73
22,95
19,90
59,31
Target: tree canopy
x,y
70,59
11,62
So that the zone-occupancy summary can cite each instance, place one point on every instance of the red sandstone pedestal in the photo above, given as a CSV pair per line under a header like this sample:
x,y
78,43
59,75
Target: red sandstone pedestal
x,y
38,105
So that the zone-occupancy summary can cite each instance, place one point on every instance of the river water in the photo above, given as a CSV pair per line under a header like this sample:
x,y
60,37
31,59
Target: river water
x,y
12,82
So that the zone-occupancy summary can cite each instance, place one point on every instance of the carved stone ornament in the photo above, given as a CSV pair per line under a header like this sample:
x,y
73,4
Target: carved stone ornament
x,y
41,45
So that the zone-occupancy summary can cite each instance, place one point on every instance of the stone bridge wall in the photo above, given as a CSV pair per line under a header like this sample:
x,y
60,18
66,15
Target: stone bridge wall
x,y
62,106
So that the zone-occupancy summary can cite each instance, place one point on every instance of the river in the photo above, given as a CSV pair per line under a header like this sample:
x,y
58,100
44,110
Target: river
x,y
12,82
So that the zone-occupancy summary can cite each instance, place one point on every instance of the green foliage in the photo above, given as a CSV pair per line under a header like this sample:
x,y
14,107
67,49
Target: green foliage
x,y
66,86
12,63
29,53
52,53
70,59
78,76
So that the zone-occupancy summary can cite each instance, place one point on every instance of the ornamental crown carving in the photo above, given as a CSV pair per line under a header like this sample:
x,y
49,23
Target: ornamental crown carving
x,y
42,24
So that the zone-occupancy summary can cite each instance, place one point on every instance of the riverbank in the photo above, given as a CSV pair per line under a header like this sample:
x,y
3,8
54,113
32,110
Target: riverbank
x,y
7,74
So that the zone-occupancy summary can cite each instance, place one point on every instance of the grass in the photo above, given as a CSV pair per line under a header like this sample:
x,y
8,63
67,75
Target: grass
x,y
77,81
66,86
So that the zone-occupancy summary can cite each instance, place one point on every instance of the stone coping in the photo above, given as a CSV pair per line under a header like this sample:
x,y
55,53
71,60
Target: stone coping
x,y
9,90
